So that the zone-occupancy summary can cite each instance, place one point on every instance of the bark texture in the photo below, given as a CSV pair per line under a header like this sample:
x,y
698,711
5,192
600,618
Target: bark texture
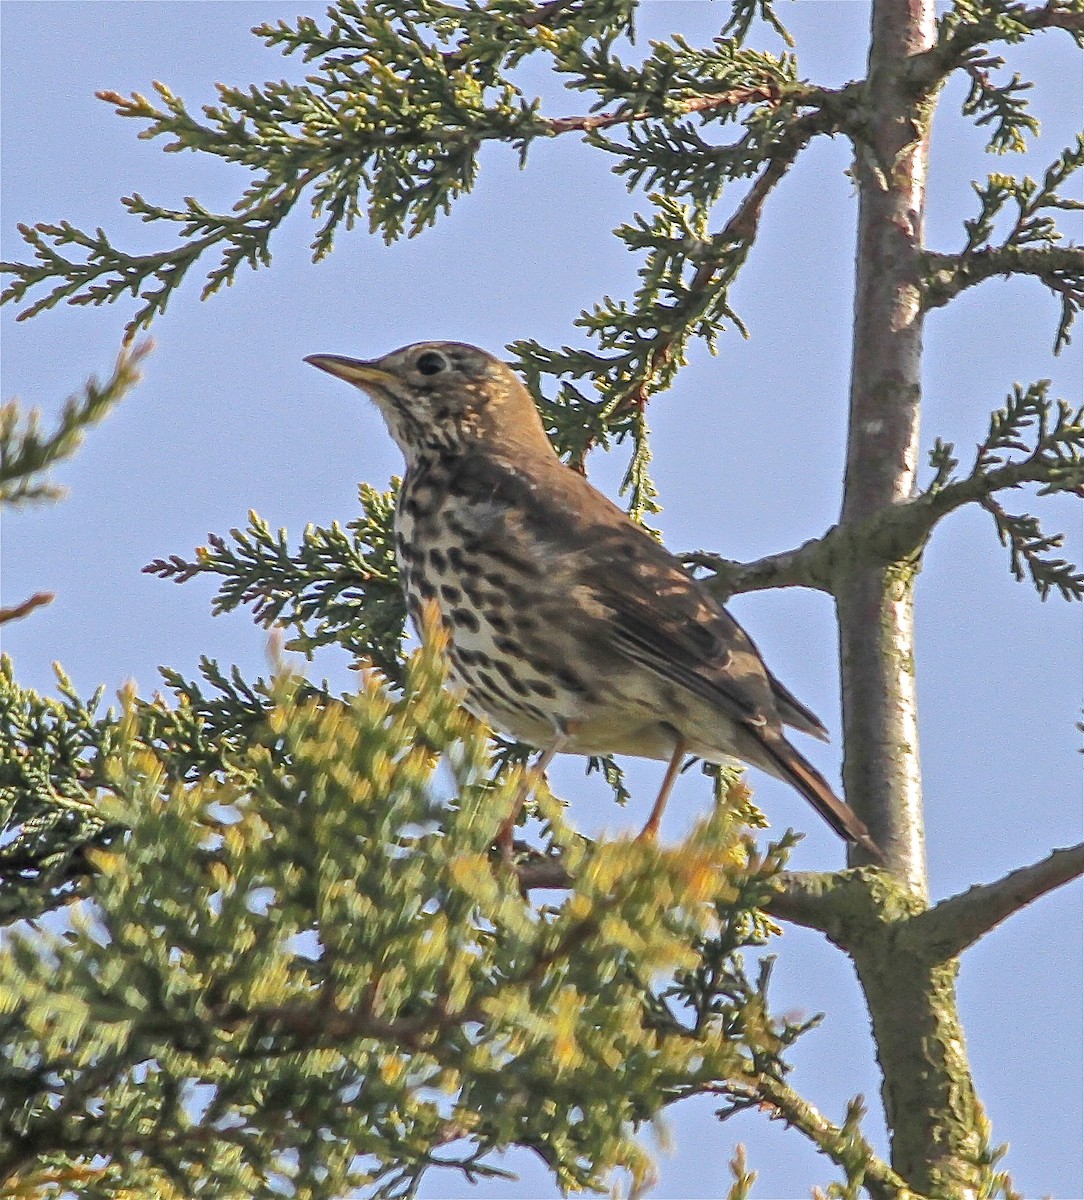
x,y
928,1093
875,601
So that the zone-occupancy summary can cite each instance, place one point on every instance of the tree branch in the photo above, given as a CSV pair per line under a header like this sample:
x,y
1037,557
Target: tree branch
x,y
956,41
536,870
958,922
889,535
17,611
543,14
846,1148
804,898
802,567
743,224
1060,268
692,104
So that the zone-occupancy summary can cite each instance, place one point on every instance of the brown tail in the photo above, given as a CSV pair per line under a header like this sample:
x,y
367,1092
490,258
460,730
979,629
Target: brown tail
x,y
816,789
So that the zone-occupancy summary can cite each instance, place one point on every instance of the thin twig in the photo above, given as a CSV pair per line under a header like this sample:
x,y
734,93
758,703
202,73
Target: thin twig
x,y
16,611
588,124
544,13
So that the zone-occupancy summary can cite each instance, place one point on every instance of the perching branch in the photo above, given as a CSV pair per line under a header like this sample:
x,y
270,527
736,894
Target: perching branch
x,y
951,926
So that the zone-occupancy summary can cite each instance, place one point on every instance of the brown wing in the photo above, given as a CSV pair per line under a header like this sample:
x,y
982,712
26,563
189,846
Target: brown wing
x,y
656,614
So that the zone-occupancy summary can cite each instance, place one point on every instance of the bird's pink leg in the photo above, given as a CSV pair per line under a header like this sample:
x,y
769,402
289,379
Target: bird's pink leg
x,y
651,830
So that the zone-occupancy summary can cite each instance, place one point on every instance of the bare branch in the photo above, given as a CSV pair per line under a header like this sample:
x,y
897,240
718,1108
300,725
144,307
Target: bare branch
x,y
953,925
1061,268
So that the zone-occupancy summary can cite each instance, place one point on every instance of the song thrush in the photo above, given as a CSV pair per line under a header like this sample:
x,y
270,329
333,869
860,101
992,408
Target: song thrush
x,y
570,628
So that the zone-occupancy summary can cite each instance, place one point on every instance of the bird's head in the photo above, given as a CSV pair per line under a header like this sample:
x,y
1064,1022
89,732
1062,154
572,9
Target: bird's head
x,y
444,397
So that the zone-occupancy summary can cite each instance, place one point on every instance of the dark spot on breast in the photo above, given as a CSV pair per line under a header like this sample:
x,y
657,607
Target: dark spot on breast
x,y
425,589
455,557
495,579
452,594
497,622
540,665
541,688
493,705
436,557
472,657
486,681
461,531
514,682
517,595
464,618
566,678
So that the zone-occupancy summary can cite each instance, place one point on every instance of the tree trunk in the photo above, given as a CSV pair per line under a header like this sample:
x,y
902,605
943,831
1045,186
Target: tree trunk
x,y
928,1093
875,601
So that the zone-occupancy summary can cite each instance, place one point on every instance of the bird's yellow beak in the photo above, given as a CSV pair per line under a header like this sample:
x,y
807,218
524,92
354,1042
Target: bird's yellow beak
x,y
353,370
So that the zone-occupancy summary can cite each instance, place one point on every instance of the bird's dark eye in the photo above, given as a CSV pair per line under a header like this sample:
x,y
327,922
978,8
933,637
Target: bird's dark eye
x,y
431,363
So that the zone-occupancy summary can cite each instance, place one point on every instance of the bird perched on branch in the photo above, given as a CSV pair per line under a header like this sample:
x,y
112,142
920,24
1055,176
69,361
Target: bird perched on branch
x,y
570,627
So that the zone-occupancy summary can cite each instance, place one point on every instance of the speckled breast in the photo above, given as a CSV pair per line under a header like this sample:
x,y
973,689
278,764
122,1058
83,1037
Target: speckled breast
x,y
499,656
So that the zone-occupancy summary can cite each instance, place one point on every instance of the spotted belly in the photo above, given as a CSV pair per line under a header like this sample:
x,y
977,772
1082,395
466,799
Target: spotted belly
x,y
509,654
502,682
497,648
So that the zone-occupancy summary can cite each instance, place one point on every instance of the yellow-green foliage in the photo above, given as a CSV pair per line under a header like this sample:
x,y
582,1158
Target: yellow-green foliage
x,y
309,968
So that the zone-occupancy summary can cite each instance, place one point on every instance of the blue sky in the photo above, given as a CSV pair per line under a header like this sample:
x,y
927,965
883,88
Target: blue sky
x,y
748,453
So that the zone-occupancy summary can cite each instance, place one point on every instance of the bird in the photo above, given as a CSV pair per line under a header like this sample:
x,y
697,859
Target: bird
x,y
570,627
